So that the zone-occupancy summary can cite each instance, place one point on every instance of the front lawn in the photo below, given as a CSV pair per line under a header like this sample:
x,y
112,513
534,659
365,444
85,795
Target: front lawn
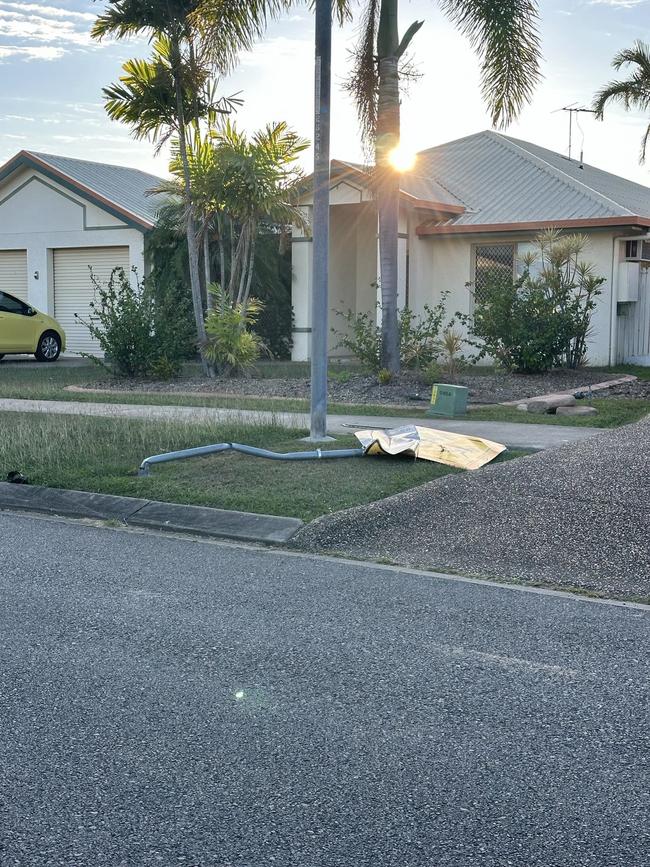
x,y
103,454
45,382
612,412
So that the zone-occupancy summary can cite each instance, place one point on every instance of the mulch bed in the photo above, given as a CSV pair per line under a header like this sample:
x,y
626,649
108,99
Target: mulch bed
x,y
405,389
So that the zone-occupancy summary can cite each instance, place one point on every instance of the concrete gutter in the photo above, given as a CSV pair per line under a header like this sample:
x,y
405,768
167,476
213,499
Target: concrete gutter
x,y
198,520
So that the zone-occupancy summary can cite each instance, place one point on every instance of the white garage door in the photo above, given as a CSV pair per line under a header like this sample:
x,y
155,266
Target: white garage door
x,y
74,290
13,273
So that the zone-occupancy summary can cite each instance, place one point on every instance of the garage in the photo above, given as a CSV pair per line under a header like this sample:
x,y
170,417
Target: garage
x,y
74,290
13,273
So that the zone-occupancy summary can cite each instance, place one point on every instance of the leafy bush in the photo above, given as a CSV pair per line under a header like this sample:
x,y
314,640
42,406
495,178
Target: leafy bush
x,y
362,340
538,322
136,334
419,336
384,376
231,345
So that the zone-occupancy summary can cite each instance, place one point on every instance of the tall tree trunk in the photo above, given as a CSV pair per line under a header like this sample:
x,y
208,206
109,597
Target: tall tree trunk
x,y
190,223
251,264
207,268
222,252
387,193
236,264
246,232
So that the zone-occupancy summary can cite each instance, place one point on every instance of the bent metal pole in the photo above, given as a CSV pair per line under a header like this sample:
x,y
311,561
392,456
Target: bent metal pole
x,y
320,220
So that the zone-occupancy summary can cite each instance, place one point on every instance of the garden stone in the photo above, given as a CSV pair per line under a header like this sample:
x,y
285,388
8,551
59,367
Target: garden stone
x,y
550,402
577,410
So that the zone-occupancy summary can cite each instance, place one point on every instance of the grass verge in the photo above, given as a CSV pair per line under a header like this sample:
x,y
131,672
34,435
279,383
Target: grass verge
x,y
612,412
102,455
49,383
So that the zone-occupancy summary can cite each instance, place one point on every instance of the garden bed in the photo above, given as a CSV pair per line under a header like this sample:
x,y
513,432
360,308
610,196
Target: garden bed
x,y
347,386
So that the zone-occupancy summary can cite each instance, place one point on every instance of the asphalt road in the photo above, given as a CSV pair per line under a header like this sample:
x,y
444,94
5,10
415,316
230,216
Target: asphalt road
x,y
176,702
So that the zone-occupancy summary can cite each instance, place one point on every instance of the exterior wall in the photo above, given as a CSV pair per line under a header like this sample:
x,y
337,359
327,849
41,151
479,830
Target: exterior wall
x,y
435,265
352,276
38,215
440,264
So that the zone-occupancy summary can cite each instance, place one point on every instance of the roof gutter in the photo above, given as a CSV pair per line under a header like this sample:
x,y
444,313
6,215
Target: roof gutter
x,y
496,228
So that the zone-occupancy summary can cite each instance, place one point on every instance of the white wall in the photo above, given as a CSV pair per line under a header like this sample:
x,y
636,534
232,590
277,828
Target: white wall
x,y
442,263
39,215
352,275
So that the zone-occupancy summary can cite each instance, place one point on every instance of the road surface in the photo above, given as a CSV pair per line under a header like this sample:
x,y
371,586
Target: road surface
x,y
175,702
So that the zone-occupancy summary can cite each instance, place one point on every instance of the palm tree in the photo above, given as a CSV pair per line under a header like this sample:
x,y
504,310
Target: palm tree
x,y
182,24
240,184
634,91
258,179
504,35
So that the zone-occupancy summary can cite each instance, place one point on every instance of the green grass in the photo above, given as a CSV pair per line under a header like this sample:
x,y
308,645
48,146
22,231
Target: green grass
x,y
103,454
634,369
611,413
47,382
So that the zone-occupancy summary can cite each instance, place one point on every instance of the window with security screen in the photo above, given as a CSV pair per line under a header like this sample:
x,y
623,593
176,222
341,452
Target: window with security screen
x,y
492,262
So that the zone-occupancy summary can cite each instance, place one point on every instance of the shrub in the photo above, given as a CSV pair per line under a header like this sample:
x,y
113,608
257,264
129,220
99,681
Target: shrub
x,y
362,339
231,345
452,358
538,322
431,373
419,336
136,334
384,376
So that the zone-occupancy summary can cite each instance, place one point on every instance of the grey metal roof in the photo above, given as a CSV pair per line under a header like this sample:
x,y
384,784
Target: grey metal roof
x,y
125,187
411,183
504,180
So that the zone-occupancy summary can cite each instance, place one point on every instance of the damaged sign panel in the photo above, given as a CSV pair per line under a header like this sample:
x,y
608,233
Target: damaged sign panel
x,y
443,447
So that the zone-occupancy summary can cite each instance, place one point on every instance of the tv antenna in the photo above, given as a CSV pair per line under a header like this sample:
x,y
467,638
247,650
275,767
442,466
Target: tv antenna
x,y
576,109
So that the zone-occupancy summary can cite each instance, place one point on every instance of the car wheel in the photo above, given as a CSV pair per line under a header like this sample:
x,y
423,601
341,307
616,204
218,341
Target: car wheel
x,y
49,347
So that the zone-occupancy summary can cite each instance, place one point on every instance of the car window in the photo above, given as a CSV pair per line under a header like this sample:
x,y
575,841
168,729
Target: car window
x,y
9,304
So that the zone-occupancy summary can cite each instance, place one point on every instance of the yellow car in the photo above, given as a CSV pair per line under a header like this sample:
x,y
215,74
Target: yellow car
x,y
23,329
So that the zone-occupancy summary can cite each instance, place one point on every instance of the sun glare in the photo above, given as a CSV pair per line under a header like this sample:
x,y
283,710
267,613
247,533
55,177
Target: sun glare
x,y
402,159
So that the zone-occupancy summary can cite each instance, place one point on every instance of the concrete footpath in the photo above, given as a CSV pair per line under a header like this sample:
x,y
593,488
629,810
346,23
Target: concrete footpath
x,y
198,520
512,434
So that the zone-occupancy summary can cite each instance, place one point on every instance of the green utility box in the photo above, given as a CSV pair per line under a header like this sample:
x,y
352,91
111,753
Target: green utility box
x,y
448,400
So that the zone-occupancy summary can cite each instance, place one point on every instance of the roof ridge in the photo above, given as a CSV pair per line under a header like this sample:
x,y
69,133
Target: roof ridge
x,y
563,177
455,141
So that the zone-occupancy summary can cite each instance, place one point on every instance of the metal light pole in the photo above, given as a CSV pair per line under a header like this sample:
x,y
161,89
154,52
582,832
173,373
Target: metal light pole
x,y
321,221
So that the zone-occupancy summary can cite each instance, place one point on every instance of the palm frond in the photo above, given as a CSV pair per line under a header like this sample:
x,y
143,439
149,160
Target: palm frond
x,y
632,92
504,34
363,84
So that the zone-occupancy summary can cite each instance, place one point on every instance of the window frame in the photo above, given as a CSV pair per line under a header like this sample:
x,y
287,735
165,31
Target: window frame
x,y
514,245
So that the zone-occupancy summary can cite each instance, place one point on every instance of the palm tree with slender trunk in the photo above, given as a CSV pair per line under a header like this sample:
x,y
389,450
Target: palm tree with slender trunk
x,y
504,35
634,91
199,34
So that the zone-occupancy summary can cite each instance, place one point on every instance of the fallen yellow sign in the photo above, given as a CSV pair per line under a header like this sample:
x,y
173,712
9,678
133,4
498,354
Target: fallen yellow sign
x,y
443,447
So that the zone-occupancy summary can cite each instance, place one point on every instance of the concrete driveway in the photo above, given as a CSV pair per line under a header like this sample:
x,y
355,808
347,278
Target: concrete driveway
x,y
576,516
173,702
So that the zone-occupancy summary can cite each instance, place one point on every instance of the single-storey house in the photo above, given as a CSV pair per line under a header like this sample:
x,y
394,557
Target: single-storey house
x,y
59,217
476,204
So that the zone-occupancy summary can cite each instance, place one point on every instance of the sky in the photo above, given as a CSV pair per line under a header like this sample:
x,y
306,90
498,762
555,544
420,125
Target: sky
x,y
52,74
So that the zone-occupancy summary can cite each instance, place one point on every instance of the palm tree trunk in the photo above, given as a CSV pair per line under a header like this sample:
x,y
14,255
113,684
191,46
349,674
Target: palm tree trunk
x,y
222,252
207,270
246,231
236,264
190,224
387,193
251,265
